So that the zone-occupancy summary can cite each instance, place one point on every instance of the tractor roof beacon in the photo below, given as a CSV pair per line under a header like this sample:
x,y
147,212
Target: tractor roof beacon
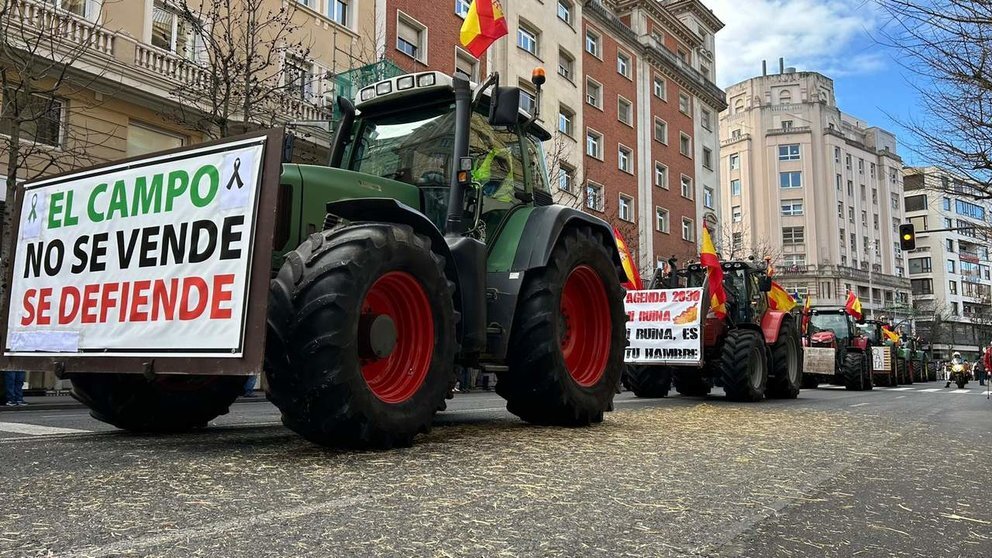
x,y
753,352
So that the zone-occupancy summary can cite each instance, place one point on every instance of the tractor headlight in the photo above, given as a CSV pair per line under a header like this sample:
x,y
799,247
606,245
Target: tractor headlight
x,y
367,93
405,82
383,88
426,80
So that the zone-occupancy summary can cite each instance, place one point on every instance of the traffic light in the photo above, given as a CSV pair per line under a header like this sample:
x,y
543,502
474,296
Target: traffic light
x,y
907,236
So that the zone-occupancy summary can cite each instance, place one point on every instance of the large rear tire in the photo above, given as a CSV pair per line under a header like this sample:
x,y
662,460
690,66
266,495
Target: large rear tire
x,y
361,344
566,347
165,404
786,375
900,371
648,381
744,365
856,374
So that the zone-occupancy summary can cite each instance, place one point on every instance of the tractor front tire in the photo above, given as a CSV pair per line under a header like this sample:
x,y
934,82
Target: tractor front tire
x,y
648,381
166,404
361,348
900,371
566,347
856,374
786,375
744,365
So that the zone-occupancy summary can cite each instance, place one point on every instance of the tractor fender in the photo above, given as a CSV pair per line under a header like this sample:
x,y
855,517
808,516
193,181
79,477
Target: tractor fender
x,y
860,344
771,325
543,229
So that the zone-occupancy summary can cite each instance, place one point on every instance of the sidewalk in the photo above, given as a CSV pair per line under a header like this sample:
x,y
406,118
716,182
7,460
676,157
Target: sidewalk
x,y
56,402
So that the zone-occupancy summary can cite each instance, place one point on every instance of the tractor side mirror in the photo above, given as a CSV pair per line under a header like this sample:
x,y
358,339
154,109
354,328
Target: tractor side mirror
x,y
765,284
504,110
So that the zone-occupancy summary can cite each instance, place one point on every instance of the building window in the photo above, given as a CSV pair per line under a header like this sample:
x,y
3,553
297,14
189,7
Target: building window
x,y
594,144
735,161
840,210
864,218
874,196
528,101
625,112
708,157
952,288
922,286
46,127
594,196
566,65
788,152
566,121
950,245
142,139
707,119
461,7
661,219
688,229
592,43
708,197
792,179
793,235
872,174
792,208
735,187
78,7
687,187
847,161
850,214
298,75
171,30
565,11
411,37
950,266
660,175
626,208
737,241
946,201
861,166
685,106
837,155
527,38
466,65
625,159
685,144
594,93
337,11
566,177
920,265
895,200
786,124
659,88
660,130
623,64
736,215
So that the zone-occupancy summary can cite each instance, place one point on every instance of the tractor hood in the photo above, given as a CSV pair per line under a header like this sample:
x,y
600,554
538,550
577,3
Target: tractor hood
x,y
338,184
823,338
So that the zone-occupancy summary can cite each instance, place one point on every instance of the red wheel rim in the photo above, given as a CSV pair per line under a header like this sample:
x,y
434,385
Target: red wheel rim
x,y
397,377
587,326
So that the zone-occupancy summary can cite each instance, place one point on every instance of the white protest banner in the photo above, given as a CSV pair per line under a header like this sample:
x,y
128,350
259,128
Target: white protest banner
x,y
664,326
146,258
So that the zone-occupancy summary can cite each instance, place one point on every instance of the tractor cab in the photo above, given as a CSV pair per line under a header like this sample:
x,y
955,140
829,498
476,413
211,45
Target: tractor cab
x,y
872,329
746,286
830,328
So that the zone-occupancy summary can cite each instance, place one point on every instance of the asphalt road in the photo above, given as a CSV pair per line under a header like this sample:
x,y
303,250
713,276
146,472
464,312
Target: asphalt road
x,y
892,472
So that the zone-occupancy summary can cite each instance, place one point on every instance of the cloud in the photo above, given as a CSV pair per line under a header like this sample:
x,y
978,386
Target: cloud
x,y
827,36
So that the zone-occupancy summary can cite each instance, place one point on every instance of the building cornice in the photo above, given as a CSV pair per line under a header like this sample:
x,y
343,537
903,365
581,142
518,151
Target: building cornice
x,y
696,8
673,24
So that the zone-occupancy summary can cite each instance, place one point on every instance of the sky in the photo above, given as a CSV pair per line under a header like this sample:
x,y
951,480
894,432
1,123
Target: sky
x,y
842,39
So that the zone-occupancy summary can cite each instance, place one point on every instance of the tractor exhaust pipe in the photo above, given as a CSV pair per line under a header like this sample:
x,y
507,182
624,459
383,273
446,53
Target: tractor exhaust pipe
x,y
454,224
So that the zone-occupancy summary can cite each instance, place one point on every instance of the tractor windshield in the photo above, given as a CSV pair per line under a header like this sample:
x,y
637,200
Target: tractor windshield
x,y
836,323
871,332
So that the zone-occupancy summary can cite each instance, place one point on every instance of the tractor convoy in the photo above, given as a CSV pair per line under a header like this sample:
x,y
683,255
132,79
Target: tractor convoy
x,y
429,240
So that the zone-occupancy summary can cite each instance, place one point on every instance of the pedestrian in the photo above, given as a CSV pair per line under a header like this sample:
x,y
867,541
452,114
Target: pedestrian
x,y
986,364
250,386
465,379
14,387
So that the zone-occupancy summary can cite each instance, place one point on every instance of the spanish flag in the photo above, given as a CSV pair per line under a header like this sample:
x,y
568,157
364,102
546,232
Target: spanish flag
x,y
779,299
634,282
806,313
707,257
889,334
853,305
483,24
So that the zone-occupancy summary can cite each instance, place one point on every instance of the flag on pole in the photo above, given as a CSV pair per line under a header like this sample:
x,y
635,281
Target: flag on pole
x,y
806,313
779,299
707,257
889,334
634,282
853,305
484,23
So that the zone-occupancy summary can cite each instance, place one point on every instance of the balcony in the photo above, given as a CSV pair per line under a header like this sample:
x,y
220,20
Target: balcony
x,y
73,31
735,139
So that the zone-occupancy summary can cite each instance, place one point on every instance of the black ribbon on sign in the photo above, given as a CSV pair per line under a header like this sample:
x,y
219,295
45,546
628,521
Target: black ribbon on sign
x,y
236,177
34,209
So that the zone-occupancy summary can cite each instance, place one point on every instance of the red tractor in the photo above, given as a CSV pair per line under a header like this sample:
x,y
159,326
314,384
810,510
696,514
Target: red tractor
x,y
836,351
752,353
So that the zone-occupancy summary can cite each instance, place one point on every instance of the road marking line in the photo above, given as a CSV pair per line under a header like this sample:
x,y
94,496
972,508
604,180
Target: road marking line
x,y
35,430
931,390
962,391
213,530
899,389
859,404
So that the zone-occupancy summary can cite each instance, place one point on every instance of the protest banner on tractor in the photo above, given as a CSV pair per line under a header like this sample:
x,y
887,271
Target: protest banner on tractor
x,y
664,326
152,257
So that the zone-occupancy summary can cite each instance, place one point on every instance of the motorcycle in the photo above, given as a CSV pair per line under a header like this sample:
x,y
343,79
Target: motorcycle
x,y
959,373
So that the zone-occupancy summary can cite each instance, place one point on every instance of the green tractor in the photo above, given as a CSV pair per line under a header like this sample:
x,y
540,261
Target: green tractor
x,y
430,240
886,368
